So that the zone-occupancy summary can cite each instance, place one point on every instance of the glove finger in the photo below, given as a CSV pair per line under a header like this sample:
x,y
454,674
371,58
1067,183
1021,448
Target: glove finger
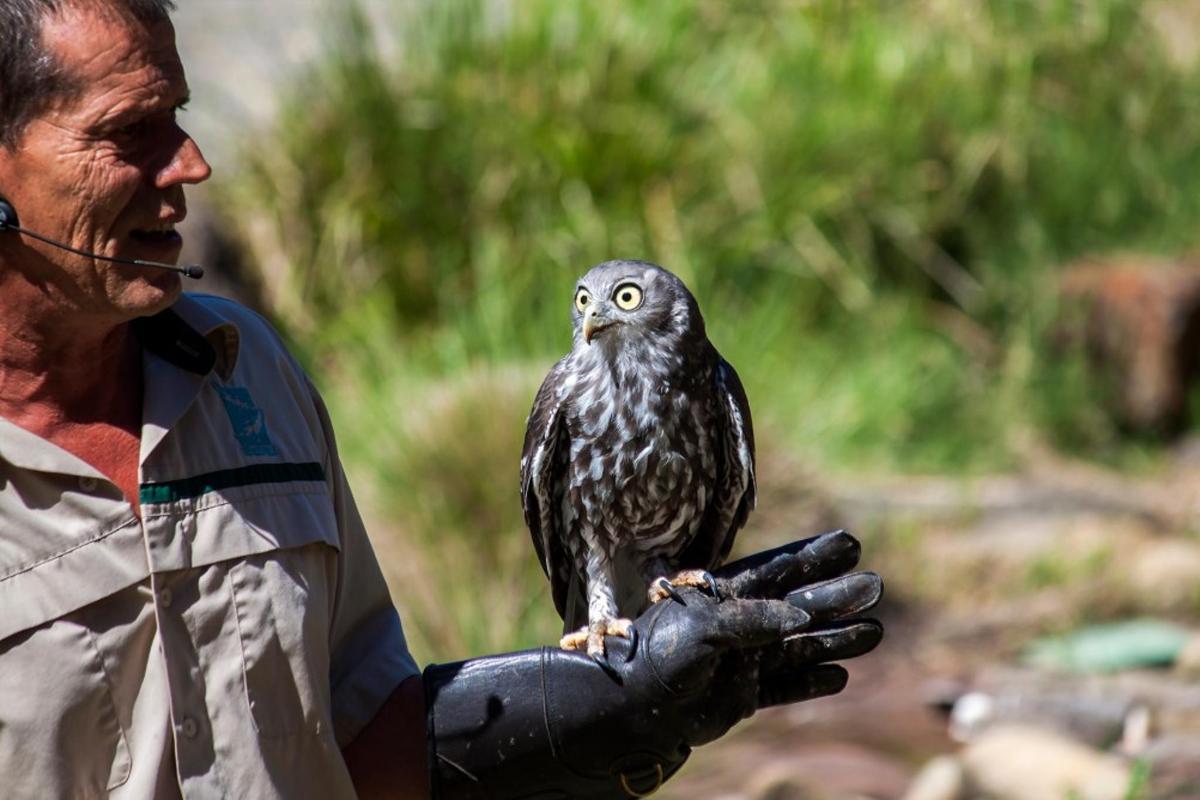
x,y
803,684
754,623
840,597
835,642
774,573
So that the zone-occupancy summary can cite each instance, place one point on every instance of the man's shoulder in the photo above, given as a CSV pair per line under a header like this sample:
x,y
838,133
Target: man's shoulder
x,y
208,312
239,332
254,369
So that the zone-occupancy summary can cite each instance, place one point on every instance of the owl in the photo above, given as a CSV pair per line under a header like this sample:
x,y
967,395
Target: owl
x,y
638,464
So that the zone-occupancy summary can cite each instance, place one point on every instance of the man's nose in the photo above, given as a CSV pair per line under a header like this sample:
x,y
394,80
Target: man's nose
x,y
186,165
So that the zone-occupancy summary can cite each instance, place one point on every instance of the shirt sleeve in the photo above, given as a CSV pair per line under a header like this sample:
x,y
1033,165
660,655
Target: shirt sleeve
x,y
368,652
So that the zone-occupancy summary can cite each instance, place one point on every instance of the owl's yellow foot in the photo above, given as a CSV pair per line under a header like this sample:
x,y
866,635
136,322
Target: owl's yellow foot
x,y
591,637
662,588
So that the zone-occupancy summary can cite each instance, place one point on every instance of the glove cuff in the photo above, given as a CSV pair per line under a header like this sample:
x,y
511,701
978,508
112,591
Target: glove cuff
x,y
540,724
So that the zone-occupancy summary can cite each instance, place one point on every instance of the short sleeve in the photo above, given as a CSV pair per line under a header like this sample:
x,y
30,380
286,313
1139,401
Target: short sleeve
x,y
369,654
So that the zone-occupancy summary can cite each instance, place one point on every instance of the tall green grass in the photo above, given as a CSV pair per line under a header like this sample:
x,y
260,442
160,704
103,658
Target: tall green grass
x,y
870,201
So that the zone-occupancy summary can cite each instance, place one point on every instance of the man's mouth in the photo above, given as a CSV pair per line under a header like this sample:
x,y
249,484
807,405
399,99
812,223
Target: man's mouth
x,y
160,234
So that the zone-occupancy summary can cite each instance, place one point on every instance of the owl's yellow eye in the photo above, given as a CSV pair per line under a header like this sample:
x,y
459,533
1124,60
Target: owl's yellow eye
x,y
628,296
583,299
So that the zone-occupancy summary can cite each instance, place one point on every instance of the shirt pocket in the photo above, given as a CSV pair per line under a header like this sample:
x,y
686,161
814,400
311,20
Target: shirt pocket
x,y
60,734
282,605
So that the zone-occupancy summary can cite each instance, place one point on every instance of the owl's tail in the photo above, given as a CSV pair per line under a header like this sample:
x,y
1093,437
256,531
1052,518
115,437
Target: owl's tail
x,y
575,609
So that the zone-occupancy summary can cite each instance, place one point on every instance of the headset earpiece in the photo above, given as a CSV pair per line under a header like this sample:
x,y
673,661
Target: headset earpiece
x,y
8,216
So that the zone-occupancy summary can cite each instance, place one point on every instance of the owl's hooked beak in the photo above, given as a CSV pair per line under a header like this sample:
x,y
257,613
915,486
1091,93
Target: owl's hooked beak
x,y
594,321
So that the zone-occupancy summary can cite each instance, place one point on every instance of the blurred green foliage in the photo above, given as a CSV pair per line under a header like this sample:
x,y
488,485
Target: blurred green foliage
x,y
871,188
870,201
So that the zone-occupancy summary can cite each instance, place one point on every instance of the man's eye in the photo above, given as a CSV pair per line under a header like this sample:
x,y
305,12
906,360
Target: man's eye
x,y
143,125
132,129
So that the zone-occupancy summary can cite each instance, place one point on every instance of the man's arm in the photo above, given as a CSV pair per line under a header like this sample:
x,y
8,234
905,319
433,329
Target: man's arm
x,y
388,760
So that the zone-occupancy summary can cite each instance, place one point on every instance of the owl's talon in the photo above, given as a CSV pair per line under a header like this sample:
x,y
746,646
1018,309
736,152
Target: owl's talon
x,y
663,589
713,589
601,660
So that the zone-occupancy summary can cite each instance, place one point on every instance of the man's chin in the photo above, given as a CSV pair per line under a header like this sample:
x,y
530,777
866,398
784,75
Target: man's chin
x,y
150,293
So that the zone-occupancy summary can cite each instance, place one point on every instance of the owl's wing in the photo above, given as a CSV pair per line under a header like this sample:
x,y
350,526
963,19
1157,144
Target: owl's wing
x,y
543,477
736,489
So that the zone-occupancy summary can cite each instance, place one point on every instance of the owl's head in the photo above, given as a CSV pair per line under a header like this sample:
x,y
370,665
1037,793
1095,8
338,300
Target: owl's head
x,y
622,302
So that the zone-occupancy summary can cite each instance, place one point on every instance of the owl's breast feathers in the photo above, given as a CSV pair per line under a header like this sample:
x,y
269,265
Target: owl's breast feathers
x,y
642,452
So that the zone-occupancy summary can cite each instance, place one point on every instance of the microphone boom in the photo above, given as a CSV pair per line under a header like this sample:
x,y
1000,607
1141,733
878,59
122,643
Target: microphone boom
x,y
8,222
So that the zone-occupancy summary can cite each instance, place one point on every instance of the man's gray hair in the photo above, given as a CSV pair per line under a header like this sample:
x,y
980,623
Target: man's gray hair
x,y
30,78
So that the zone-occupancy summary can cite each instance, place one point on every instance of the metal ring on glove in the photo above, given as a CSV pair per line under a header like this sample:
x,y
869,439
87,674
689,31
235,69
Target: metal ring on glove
x,y
631,792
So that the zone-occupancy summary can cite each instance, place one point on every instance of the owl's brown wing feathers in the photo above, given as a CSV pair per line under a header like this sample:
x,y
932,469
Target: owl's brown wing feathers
x,y
543,475
736,489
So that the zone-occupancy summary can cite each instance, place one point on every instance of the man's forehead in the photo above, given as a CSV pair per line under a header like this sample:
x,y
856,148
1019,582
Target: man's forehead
x,y
96,43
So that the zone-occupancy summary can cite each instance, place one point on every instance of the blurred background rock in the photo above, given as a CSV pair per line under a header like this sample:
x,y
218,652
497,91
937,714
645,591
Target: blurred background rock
x,y
949,246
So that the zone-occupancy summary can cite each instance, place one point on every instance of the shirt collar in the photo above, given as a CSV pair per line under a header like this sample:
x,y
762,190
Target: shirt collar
x,y
192,336
182,346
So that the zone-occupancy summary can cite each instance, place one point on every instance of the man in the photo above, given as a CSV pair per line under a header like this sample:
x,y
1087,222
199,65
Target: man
x,y
190,604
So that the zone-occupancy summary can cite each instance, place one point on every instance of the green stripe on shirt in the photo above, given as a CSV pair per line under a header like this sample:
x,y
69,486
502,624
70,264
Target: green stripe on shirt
x,y
184,488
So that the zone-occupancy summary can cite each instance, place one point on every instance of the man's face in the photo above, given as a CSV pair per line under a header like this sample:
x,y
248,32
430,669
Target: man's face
x,y
104,170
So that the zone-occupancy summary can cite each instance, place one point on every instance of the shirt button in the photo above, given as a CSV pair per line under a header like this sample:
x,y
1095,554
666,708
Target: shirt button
x,y
88,483
189,728
165,597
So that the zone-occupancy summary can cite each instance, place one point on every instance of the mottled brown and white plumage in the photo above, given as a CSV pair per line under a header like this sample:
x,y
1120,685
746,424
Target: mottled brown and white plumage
x,y
639,451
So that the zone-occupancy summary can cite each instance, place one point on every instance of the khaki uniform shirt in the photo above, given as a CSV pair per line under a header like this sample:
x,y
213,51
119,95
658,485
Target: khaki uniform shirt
x,y
230,642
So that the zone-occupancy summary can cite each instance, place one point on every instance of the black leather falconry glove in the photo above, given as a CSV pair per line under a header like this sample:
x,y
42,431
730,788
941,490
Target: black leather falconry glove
x,y
554,724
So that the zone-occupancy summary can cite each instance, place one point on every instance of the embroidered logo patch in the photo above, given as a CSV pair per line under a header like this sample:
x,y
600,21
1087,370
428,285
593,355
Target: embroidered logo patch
x,y
249,423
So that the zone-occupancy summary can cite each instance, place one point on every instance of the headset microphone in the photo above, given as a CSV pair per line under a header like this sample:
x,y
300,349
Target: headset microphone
x,y
9,222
